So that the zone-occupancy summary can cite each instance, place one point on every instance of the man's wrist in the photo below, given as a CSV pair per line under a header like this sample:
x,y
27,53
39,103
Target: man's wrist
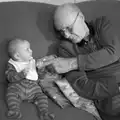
x,y
73,64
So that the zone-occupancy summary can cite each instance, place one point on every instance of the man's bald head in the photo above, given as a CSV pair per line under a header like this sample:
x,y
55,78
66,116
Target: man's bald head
x,y
65,15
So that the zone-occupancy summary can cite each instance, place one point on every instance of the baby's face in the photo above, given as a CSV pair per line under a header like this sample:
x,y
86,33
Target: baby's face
x,y
24,51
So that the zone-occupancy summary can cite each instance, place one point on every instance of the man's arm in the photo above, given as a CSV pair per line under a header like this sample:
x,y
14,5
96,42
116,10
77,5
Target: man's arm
x,y
107,55
12,75
110,51
92,88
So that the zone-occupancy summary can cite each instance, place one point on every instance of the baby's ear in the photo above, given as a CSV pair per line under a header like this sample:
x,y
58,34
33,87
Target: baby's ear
x,y
16,56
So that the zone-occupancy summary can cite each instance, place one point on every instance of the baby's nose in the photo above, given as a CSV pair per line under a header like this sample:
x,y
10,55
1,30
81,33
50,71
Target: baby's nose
x,y
30,51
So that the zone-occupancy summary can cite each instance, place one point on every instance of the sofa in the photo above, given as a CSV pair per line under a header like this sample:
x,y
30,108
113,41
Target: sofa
x,y
33,21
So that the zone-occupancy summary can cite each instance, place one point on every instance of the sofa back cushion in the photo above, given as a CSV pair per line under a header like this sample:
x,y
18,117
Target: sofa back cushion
x,y
33,22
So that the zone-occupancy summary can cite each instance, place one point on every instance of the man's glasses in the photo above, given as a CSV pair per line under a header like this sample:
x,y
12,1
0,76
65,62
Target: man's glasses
x,y
69,29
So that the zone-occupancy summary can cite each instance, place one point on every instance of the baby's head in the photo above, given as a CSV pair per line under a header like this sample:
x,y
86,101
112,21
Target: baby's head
x,y
19,50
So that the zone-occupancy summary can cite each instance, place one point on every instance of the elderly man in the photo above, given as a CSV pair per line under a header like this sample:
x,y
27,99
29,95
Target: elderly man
x,y
88,56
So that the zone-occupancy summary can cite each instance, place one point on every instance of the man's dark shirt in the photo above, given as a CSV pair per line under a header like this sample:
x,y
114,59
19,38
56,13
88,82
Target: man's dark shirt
x,y
98,60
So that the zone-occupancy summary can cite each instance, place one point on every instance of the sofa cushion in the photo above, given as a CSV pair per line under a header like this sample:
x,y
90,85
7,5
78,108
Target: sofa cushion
x,y
33,21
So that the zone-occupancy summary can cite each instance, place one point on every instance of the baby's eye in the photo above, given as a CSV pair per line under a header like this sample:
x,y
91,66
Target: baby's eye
x,y
27,49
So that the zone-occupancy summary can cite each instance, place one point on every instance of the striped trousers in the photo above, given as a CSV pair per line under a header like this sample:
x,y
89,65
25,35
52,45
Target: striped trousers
x,y
26,90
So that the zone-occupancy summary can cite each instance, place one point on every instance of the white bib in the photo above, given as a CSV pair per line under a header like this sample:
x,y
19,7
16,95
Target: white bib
x,y
19,66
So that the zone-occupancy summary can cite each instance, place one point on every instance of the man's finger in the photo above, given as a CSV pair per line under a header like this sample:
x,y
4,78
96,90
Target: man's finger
x,y
47,58
49,62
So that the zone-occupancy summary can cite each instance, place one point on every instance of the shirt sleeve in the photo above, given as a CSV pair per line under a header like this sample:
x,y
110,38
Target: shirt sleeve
x,y
110,47
96,89
92,89
41,73
12,75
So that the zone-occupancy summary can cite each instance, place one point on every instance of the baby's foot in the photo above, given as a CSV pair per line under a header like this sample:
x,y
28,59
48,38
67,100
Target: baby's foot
x,y
14,114
47,116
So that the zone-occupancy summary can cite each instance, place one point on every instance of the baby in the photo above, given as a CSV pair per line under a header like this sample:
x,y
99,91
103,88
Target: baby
x,y
23,80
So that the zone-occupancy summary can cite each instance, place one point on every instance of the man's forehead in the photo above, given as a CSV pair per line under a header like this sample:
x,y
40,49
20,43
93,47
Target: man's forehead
x,y
71,19
66,14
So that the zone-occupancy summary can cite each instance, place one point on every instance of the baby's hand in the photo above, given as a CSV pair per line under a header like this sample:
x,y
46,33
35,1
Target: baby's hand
x,y
26,70
29,66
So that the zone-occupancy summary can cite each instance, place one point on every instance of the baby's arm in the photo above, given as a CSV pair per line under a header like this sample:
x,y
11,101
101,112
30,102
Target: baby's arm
x,y
41,73
12,75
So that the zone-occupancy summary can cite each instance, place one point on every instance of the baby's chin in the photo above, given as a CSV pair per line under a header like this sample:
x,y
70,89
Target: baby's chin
x,y
31,58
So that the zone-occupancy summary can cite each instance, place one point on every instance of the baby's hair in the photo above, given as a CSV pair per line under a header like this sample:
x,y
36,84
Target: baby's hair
x,y
12,45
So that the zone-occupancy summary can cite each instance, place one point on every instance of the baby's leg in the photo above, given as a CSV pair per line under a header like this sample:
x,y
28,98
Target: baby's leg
x,y
41,102
13,102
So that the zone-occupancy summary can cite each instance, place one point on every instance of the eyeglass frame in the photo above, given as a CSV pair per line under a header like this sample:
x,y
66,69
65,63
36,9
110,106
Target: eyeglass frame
x,y
70,27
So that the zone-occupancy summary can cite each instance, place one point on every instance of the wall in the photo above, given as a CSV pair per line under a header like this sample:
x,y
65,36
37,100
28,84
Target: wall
x,y
56,2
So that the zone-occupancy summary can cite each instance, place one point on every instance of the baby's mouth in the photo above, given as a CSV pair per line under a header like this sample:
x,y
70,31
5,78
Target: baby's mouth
x,y
31,57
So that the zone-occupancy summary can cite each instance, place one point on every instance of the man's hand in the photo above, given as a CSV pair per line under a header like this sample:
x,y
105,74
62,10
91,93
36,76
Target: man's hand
x,y
45,61
63,65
